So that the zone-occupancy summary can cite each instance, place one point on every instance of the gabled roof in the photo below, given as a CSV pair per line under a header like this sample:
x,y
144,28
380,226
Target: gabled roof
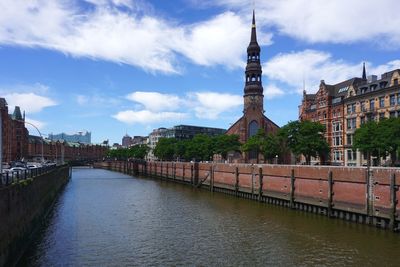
x,y
310,96
17,114
342,88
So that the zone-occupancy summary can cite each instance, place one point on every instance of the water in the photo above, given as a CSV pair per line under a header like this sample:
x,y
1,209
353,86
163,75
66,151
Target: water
x,y
105,218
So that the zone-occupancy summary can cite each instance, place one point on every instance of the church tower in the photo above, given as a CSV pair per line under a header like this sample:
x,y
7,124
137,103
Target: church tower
x,y
253,109
253,90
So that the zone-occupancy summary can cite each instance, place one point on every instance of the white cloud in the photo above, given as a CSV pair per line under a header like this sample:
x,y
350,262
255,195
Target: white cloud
x,y
148,117
110,33
39,124
312,66
209,105
272,91
335,21
155,101
221,40
29,102
158,107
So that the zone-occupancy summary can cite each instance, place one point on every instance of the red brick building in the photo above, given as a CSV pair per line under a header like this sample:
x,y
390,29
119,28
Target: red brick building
x,y
253,111
63,151
14,133
18,145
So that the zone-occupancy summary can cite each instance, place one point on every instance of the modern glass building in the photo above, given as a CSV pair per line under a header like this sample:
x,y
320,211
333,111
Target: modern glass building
x,y
80,137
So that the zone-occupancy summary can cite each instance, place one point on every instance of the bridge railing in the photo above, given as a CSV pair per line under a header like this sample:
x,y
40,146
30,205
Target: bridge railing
x,y
16,176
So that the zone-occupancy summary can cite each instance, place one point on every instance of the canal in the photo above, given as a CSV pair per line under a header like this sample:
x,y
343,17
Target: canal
x,y
105,218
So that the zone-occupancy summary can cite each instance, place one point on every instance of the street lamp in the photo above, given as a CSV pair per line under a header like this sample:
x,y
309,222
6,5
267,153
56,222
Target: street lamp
x,y
39,134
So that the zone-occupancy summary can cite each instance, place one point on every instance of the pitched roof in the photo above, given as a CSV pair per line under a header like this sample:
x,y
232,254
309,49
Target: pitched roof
x,y
17,114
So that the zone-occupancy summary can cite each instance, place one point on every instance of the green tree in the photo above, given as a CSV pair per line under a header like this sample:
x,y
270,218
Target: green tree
x,y
366,139
139,151
223,144
165,148
199,148
255,143
389,137
180,149
305,138
271,147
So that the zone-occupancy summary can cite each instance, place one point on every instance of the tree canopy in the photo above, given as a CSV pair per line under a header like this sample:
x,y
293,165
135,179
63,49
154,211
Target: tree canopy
x,y
379,139
137,152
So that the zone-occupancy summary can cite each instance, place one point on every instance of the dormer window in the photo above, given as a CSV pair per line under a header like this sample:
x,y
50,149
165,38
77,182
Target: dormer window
x,y
364,90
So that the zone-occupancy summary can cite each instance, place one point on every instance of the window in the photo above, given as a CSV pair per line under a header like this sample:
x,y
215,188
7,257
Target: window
x,y
362,103
372,104
398,99
351,155
337,126
392,100
351,108
337,141
396,82
392,114
253,128
381,116
349,139
382,102
337,155
370,117
351,123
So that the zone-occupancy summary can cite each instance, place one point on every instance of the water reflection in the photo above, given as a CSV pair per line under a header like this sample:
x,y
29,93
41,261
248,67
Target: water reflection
x,y
105,218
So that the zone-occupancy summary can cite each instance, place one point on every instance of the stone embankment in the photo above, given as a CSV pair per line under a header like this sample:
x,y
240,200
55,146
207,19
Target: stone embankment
x,y
23,205
363,195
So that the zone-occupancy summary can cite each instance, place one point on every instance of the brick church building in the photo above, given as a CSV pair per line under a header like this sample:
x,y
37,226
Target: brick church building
x,y
253,110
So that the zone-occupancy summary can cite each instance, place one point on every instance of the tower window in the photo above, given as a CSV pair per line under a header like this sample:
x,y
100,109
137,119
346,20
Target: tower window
x,y
253,78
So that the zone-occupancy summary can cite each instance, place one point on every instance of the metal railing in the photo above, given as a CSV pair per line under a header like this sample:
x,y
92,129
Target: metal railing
x,y
16,176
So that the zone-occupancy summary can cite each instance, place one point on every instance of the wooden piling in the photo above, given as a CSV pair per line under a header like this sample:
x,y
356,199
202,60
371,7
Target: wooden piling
x,y
292,189
330,194
393,202
260,189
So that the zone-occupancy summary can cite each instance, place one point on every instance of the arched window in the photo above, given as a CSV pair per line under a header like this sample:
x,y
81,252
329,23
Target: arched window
x,y
253,128
253,78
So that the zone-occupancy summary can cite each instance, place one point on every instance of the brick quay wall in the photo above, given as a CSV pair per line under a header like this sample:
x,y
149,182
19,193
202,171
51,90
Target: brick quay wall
x,y
23,206
359,194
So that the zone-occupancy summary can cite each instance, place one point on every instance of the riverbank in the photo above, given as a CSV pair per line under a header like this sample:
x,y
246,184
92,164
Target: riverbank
x,y
362,195
23,205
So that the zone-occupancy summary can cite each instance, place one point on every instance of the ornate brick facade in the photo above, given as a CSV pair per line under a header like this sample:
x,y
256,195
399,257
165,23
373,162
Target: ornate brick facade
x,y
343,107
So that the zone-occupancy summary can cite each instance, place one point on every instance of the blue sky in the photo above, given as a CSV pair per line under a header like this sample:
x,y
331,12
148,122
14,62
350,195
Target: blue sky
x,y
128,66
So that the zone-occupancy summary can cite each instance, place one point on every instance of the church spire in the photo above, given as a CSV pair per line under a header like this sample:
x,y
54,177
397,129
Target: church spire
x,y
364,74
253,38
253,71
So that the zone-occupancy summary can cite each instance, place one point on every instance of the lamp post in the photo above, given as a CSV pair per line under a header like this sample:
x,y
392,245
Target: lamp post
x,y
41,136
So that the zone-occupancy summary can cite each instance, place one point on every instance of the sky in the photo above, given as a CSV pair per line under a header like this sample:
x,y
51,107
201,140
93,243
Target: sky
x,y
116,67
